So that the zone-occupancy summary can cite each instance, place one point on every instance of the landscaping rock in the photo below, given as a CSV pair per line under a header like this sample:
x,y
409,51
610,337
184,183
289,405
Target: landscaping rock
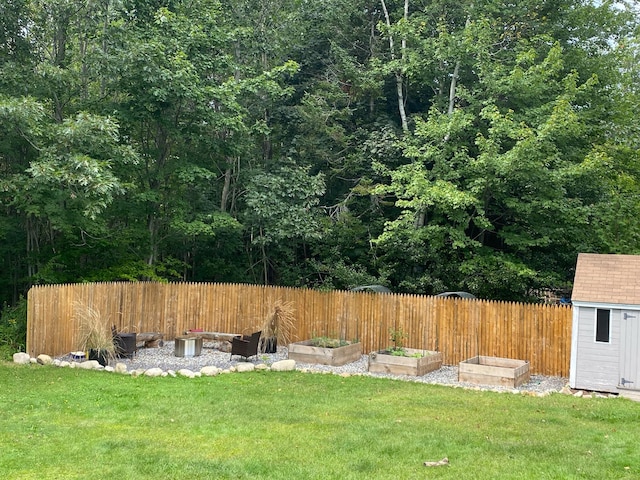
x,y
245,367
44,359
222,345
210,371
21,358
90,365
64,364
109,368
262,366
284,366
153,372
185,372
121,368
33,360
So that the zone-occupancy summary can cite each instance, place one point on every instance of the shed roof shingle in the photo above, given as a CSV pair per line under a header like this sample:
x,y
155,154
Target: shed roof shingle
x,y
607,279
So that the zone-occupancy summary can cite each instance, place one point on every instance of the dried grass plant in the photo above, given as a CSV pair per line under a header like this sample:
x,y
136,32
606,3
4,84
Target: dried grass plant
x,y
279,322
94,330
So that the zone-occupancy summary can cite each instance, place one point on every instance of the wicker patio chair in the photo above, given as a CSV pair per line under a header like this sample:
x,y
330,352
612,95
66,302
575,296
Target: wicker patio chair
x,y
245,346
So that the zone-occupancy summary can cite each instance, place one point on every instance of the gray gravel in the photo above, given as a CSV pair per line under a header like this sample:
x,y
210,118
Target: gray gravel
x,y
165,359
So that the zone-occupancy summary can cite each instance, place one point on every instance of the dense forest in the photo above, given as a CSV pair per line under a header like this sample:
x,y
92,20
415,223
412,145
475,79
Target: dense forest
x,y
424,145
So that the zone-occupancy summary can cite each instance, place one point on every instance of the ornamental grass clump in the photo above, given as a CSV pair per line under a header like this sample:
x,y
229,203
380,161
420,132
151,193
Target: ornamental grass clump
x,y
279,323
94,332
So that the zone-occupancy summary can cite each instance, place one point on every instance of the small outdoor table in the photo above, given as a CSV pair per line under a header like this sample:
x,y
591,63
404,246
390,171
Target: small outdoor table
x,y
188,346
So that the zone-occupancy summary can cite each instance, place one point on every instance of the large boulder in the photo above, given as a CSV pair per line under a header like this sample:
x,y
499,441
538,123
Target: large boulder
x,y
21,358
210,371
90,365
153,372
44,359
284,366
121,367
245,367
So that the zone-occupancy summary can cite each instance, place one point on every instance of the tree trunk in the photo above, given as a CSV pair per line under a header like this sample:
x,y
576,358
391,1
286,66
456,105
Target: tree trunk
x,y
226,188
399,74
153,239
454,85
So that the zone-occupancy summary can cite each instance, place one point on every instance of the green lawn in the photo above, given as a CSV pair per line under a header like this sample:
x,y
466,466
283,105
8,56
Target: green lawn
x,y
68,424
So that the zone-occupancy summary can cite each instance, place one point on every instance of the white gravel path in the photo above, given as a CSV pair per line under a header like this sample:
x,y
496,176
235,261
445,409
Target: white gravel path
x,y
165,359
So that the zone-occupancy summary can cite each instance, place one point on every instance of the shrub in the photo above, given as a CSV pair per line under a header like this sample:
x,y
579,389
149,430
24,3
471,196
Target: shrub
x,y
13,329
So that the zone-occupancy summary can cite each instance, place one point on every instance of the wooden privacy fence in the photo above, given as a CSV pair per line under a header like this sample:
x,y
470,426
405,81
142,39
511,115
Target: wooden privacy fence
x,y
458,328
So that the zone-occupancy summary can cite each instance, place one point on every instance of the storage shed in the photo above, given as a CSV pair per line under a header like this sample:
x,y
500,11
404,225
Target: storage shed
x,y
605,338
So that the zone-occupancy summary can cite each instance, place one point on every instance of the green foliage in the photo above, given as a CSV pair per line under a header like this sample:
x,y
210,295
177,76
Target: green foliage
x,y
397,337
488,188
328,342
137,270
13,329
261,142
281,204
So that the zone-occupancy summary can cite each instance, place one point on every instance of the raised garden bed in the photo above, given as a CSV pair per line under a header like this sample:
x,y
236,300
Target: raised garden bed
x,y
342,354
409,364
505,372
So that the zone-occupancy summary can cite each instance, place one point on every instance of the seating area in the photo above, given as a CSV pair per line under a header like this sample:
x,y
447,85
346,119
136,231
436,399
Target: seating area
x,y
189,345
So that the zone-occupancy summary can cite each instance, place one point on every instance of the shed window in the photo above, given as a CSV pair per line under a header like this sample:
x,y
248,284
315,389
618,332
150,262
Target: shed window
x,y
603,325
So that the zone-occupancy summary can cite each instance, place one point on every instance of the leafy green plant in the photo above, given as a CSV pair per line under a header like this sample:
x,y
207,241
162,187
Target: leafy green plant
x,y
13,329
397,337
328,342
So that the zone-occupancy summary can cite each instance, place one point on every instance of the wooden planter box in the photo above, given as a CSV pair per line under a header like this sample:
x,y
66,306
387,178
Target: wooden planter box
x,y
380,362
504,372
305,352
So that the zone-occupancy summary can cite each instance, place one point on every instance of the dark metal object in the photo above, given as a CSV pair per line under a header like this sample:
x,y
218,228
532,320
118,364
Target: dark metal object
x,y
247,346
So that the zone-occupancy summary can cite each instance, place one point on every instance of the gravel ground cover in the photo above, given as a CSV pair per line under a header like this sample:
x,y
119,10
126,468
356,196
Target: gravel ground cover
x,y
164,358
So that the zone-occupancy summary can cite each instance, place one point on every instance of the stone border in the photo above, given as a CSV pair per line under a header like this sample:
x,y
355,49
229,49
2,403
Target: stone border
x,y
279,366
207,371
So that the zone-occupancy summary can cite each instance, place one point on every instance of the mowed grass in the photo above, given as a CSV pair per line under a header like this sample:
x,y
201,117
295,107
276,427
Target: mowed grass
x,y
70,424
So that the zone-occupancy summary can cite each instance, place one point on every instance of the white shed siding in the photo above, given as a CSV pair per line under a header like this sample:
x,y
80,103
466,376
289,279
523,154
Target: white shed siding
x,y
597,364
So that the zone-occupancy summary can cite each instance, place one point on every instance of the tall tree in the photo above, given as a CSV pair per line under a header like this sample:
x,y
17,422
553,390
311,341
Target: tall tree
x,y
495,176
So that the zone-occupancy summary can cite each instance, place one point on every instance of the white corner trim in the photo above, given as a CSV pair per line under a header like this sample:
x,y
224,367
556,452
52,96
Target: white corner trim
x,y
573,364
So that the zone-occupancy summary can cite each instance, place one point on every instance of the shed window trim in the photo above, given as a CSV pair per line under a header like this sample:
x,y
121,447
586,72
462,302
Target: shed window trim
x,y
603,326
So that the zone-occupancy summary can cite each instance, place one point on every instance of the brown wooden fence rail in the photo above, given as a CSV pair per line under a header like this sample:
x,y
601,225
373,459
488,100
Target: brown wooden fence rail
x,y
458,328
